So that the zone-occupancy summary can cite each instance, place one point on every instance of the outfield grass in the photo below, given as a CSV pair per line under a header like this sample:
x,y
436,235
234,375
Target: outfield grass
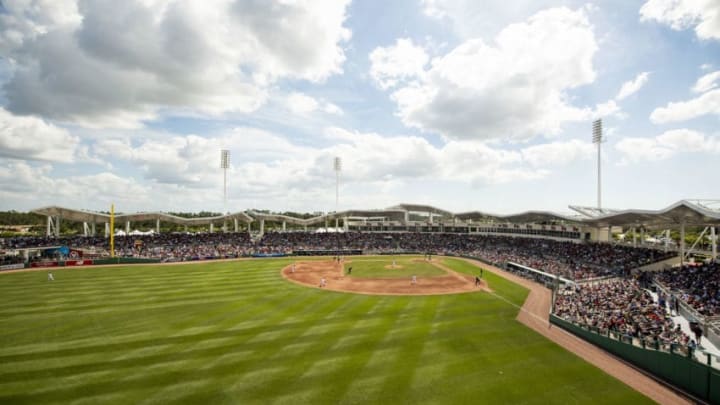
x,y
236,332
374,267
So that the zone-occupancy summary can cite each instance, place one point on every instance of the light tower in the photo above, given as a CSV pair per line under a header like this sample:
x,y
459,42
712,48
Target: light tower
x,y
597,138
224,164
338,167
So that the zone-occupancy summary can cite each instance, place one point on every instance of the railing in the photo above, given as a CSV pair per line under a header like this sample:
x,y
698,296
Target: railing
x,y
711,323
674,364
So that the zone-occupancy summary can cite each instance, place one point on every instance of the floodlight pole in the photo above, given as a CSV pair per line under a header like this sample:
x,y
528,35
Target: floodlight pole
x,y
597,138
337,166
224,164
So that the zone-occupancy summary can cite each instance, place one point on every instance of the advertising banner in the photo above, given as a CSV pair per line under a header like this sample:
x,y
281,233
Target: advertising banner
x,y
14,266
44,264
78,262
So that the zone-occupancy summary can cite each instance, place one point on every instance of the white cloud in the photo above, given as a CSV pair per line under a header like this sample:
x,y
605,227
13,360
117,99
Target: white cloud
x,y
707,82
707,103
666,145
470,18
557,153
404,60
116,64
515,87
34,139
331,108
274,167
302,104
631,87
20,181
703,15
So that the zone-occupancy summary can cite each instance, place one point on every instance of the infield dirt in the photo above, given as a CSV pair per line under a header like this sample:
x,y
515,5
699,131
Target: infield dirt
x,y
309,274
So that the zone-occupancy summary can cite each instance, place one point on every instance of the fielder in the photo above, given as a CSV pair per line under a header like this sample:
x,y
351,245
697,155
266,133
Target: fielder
x,y
414,280
50,276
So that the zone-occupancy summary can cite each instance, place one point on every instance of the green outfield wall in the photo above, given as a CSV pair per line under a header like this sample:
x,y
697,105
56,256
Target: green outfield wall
x,y
675,367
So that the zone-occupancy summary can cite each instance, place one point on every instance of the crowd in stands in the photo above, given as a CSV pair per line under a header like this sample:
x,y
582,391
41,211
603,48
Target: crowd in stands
x,y
569,259
696,284
166,246
623,307
11,259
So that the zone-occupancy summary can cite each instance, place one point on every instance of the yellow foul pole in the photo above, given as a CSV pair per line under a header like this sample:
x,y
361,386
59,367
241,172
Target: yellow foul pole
x,y
112,230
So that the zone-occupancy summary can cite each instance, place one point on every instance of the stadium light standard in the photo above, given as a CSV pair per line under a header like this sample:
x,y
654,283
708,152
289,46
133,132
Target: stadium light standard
x,y
224,164
597,138
337,166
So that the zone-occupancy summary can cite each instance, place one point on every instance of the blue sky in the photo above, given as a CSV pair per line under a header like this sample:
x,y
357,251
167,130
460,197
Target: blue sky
x,y
452,103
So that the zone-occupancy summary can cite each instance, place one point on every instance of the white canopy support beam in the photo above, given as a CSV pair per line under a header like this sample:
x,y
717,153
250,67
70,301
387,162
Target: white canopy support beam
x,y
127,227
157,225
50,225
235,222
86,229
262,227
92,228
212,227
284,226
682,243
107,230
713,240
57,226
692,248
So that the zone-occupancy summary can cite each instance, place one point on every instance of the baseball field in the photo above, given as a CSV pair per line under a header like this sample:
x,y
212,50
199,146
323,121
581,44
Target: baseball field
x,y
238,332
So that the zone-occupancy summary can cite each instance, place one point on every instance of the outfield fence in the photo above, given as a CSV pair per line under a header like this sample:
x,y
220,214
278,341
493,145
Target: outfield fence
x,y
673,364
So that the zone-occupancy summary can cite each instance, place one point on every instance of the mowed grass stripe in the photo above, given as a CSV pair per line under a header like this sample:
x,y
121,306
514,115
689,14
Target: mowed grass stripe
x,y
159,359
147,304
236,332
83,282
297,366
265,305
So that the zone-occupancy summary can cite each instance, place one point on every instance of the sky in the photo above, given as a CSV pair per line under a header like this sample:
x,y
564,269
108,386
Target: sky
x,y
459,104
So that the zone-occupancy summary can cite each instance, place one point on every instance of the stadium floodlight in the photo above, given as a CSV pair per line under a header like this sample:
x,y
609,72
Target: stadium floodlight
x,y
597,138
337,165
224,164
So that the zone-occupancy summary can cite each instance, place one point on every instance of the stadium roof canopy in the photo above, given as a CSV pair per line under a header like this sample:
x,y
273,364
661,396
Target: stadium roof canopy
x,y
539,216
99,217
688,212
422,208
389,214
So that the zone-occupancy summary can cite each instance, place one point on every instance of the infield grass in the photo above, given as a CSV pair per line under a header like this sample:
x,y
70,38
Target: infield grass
x,y
376,267
236,332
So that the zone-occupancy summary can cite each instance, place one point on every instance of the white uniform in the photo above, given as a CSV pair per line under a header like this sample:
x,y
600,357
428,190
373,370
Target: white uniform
x,y
50,277
322,282
292,270
414,279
